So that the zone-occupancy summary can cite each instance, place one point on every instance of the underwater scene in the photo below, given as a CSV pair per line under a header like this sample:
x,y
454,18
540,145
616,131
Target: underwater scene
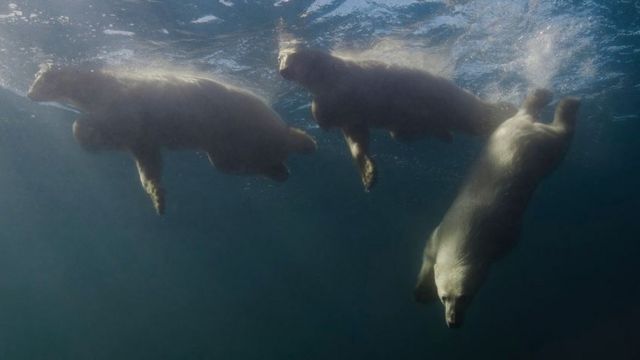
x,y
319,179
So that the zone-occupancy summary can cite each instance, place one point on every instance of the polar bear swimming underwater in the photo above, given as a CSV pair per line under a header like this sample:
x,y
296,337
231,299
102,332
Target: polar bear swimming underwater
x,y
411,104
484,221
145,111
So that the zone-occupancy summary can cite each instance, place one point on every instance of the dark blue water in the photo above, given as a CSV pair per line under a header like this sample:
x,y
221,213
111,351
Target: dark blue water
x,y
241,268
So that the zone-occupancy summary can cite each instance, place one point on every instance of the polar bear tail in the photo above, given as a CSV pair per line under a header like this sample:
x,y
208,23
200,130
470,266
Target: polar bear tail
x,y
301,142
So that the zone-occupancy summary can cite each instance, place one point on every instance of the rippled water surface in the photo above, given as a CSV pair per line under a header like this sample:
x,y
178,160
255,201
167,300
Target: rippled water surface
x,y
315,268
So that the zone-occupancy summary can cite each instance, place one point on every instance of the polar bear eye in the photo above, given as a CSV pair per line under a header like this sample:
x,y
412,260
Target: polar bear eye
x,y
445,298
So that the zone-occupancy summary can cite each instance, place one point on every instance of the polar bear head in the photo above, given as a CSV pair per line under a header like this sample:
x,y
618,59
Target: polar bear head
x,y
310,68
457,283
79,86
48,84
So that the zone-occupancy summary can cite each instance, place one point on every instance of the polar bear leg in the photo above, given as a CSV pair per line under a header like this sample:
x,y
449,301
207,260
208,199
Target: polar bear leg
x,y
426,289
566,114
536,101
149,163
357,138
278,172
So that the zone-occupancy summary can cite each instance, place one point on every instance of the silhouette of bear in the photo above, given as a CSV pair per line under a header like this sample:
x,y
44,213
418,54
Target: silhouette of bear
x,y
145,111
412,104
484,221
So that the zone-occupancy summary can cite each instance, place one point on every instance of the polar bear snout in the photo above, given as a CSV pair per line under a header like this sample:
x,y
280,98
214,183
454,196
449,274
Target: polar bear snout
x,y
31,94
306,67
286,73
286,68
43,87
454,323
36,92
454,316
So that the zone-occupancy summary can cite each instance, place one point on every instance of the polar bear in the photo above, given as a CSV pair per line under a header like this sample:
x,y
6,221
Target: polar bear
x,y
145,111
484,221
358,95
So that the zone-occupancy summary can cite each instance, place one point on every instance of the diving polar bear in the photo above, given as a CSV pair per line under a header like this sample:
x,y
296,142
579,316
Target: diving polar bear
x,y
144,111
484,221
411,104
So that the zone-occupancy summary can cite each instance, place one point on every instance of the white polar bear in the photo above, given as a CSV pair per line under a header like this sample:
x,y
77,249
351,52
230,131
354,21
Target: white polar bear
x,y
411,104
484,221
144,111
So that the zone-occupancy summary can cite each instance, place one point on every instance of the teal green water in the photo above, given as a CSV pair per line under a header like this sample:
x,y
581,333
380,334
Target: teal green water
x,y
242,268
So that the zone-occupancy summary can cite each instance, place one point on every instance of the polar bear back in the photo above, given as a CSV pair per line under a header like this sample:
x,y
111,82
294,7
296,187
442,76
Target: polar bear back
x,y
414,96
195,100
491,204
188,112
